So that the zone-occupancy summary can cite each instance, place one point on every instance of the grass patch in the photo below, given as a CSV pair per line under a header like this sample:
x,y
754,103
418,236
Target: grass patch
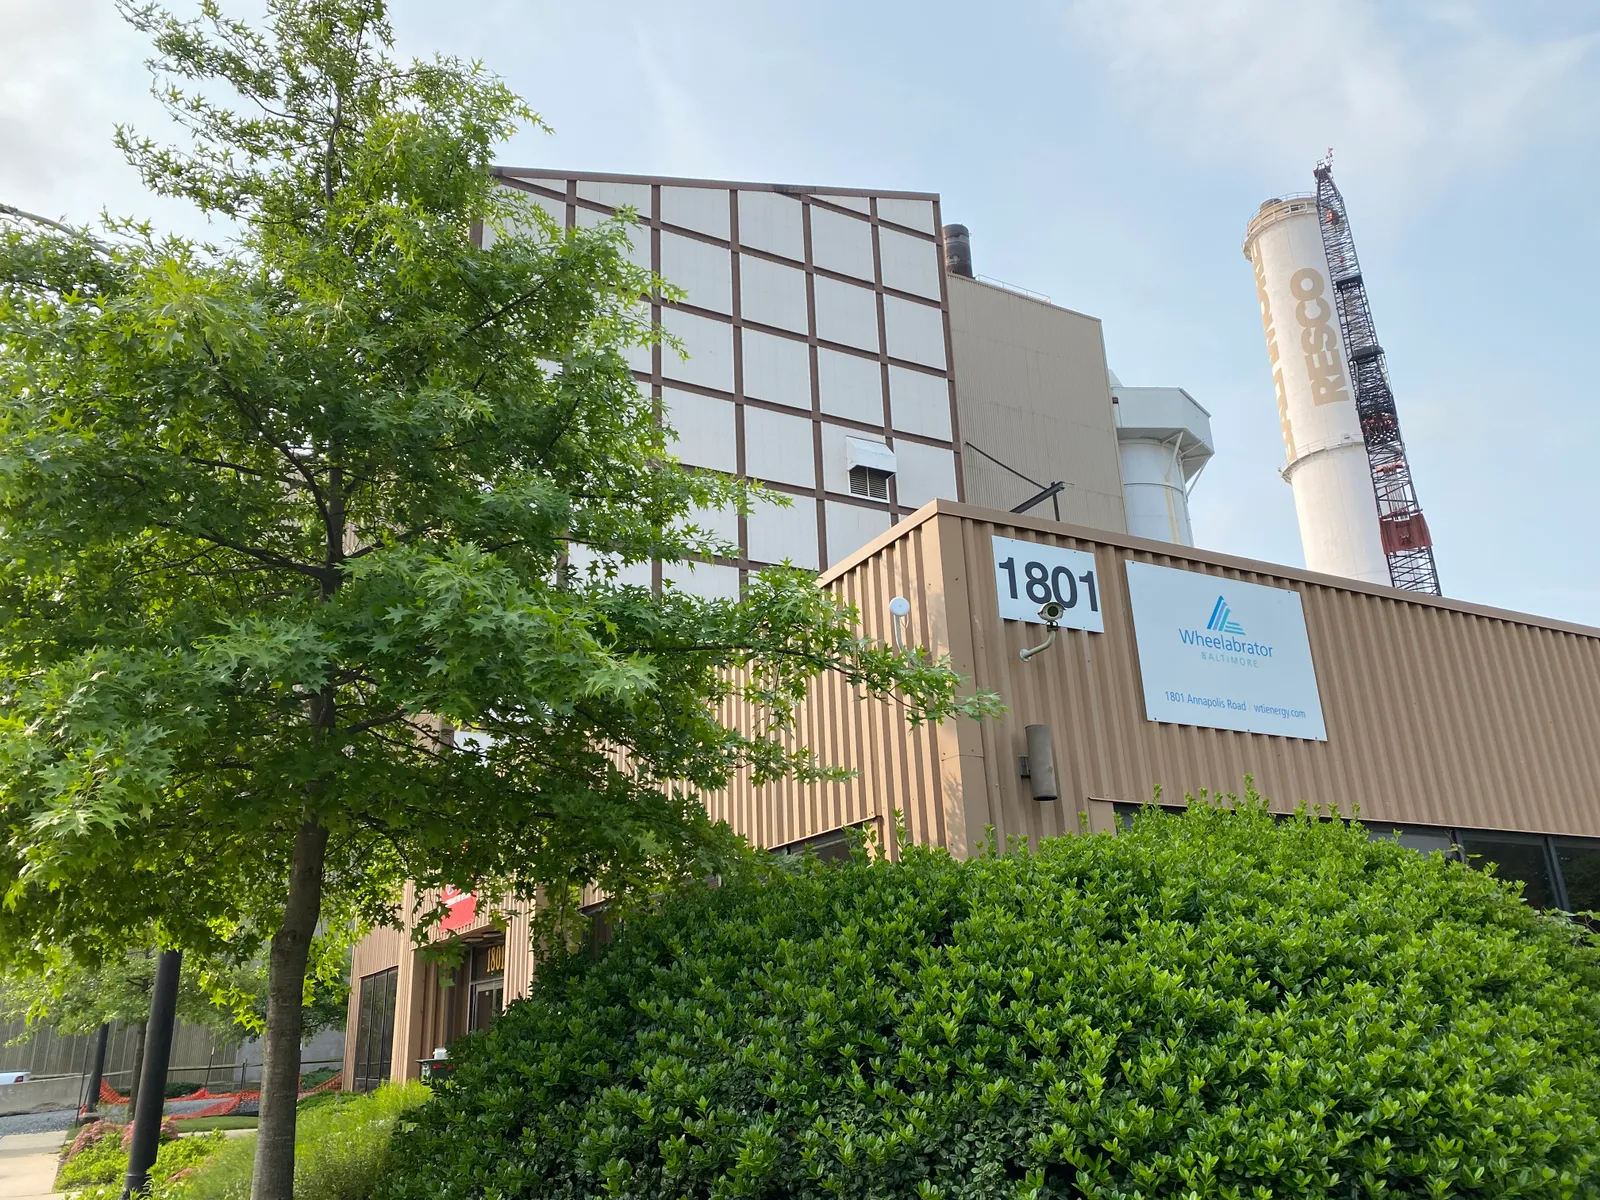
x,y
201,1124
341,1148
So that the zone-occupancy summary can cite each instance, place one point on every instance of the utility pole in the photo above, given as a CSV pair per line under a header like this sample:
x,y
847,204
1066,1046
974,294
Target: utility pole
x,y
151,1100
97,1073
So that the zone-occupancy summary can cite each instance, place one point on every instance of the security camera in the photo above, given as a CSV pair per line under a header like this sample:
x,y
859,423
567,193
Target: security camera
x,y
1051,612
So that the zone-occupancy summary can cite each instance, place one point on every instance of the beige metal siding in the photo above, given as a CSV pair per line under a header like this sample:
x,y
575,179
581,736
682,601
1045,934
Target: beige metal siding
x,y
1437,713
898,767
1032,390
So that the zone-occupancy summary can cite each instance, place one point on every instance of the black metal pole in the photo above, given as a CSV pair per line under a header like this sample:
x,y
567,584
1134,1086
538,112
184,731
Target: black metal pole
x,y
153,1082
97,1073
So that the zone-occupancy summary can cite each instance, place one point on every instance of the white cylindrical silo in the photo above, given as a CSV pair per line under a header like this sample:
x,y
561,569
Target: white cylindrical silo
x,y
1152,492
1326,455
1163,443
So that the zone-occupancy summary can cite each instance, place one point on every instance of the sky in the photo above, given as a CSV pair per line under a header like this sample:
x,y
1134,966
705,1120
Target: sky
x,y
1108,154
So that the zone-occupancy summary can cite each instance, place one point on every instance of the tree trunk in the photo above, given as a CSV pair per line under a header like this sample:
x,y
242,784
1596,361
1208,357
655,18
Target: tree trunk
x,y
138,1070
286,979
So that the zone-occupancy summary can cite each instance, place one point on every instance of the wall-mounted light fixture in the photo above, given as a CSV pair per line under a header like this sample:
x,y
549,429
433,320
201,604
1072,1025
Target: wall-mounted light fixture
x,y
899,614
1038,766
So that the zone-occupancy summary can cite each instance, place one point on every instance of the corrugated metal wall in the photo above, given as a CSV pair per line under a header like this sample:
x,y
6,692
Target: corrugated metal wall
x,y
428,1013
1032,390
1437,712
898,767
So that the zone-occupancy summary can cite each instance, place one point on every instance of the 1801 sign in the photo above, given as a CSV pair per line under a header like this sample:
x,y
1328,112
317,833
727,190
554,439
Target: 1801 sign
x,y
1027,575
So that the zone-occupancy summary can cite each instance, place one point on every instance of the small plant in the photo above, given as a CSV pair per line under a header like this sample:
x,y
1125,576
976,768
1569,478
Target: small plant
x,y
100,1164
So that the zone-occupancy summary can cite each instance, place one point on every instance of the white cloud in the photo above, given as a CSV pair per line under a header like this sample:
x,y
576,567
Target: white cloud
x,y
1272,84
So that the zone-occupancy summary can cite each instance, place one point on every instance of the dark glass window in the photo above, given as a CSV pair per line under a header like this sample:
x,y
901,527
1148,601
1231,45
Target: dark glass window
x,y
1517,859
829,847
1424,839
1580,869
375,1029
488,985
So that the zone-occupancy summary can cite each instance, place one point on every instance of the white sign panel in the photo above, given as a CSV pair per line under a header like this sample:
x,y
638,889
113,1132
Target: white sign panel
x,y
1027,574
1223,654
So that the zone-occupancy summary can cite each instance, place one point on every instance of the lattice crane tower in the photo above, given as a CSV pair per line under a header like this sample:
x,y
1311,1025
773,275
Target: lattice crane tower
x,y
1353,492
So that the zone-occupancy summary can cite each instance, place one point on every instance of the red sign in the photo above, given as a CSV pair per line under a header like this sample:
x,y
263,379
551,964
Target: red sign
x,y
462,906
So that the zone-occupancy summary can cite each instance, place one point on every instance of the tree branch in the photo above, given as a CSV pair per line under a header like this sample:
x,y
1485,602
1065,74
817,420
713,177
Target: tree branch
x,y
24,215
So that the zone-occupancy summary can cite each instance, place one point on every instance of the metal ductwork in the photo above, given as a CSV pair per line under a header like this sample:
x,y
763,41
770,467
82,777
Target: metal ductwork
x,y
958,250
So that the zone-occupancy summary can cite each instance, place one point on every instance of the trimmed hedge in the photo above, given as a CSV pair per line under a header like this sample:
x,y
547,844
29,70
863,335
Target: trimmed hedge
x,y
1213,1004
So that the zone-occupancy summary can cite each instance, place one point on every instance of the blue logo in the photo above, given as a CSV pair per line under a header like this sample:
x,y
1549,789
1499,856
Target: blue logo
x,y
1222,619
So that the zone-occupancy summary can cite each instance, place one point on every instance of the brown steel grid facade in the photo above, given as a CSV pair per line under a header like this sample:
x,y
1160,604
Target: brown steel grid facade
x,y
576,199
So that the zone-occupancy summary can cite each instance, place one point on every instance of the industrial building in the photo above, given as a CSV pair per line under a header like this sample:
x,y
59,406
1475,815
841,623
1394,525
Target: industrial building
x,y
1128,660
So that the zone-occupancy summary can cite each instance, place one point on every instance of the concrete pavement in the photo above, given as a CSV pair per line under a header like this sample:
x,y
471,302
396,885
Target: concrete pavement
x,y
28,1165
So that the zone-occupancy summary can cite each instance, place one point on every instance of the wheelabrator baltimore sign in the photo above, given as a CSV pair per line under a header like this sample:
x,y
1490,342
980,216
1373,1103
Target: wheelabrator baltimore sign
x,y
1223,654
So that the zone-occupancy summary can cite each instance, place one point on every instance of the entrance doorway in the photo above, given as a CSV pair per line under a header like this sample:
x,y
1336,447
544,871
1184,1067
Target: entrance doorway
x,y
487,986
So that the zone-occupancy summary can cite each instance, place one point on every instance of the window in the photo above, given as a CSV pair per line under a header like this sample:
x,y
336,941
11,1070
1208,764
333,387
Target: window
x,y
375,1029
488,987
1518,859
1580,873
833,846
869,482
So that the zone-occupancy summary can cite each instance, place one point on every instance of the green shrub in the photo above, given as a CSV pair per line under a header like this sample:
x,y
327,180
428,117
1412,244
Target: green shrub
x,y
102,1165
1207,1005
341,1149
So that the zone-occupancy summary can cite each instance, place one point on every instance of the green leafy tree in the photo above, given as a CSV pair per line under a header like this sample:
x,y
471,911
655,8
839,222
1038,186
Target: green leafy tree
x,y
277,516
1213,1004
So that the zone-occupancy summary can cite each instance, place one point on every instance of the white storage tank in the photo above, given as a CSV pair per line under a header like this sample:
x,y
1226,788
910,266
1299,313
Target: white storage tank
x,y
1325,454
1163,442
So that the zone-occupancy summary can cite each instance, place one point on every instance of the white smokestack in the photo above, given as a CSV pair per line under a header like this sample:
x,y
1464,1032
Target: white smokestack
x,y
1326,456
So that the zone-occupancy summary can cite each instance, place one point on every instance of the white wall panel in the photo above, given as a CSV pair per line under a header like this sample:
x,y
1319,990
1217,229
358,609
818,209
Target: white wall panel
x,y
923,473
772,294
915,332
770,221
846,314
705,429
919,403
777,446
776,368
909,264
851,527
638,235
585,560
841,243
785,533
721,522
850,386
639,357
835,468
704,210
860,204
712,581
702,270
913,214
634,195
556,209
709,345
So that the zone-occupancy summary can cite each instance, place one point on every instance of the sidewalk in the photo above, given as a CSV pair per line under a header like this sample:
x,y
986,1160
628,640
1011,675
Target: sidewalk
x,y
28,1165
